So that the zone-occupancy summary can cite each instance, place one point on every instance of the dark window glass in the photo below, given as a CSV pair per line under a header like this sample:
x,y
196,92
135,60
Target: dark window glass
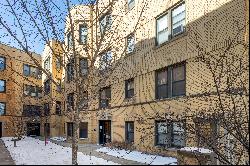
x,y
47,87
58,62
70,129
70,71
170,134
178,80
83,130
46,109
83,32
26,70
2,108
105,97
162,84
70,40
129,132
58,108
2,86
84,67
2,63
70,101
129,87
84,100
59,86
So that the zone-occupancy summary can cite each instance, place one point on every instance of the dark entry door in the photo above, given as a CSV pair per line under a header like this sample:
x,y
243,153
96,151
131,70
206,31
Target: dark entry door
x,y
1,130
104,131
33,129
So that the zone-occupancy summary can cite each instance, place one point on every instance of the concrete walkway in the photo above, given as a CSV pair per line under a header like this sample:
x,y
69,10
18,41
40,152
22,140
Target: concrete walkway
x,y
89,149
5,158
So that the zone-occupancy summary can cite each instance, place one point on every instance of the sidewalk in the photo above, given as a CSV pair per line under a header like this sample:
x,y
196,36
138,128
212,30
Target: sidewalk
x,y
89,149
5,158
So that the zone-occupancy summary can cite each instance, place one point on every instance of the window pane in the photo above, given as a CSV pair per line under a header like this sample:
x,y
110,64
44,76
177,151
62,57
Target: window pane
x,y
2,63
179,73
162,91
131,4
178,88
26,70
47,64
130,43
162,77
162,30
83,34
33,91
178,19
83,130
2,108
129,132
2,86
84,66
178,140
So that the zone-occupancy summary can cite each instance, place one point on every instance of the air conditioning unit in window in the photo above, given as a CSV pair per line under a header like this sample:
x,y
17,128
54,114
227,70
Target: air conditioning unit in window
x,y
178,30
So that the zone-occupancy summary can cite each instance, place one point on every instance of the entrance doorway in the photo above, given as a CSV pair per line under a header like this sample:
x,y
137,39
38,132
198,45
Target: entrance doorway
x,y
33,129
1,134
104,131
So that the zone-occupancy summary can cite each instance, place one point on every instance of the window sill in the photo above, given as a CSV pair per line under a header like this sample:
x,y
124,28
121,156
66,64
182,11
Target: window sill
x,y
171,98
181,35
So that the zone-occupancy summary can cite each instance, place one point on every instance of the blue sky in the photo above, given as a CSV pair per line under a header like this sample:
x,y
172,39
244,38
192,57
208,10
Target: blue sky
x,y
35,41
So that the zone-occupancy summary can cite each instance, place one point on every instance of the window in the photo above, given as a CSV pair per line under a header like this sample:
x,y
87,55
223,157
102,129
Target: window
x,y
171,24
32,71
162,86
31,110
83,130
59,86
130,43
129,132
70,101
26,70
70,129
105,23
2,86
131,4
170,134
84,101
39,92
129,88
83,67
58,62
105,97
58,108
70,40
178,80
171,81
2,108
47,87
83,32
2,63
33,91
47,64
105,61
162,29
178,19
206,132
70,71
46,109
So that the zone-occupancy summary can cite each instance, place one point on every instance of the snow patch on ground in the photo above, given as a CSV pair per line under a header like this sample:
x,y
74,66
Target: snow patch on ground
x,y
139,156
195,149
31,151
58,139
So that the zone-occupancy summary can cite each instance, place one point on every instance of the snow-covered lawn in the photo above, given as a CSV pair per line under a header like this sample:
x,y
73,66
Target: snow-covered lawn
x,y
31,151
139,156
